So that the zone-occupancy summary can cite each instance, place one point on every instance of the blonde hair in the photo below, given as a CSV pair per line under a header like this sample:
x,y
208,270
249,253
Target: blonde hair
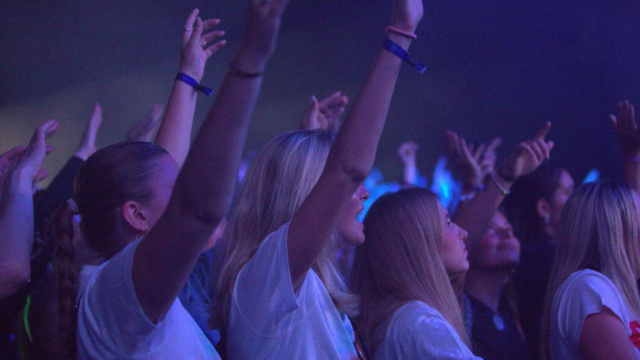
x,y
276,184
599,231
400,262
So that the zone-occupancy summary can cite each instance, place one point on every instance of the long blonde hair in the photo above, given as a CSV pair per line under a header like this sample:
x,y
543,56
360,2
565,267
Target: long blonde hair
x,y
400,262
599,230
276,184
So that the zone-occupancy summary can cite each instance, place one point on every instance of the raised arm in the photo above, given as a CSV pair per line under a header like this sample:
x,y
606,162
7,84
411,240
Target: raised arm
x,y
407,156
626,128
353,152
16,211
145,128
175,131
205,186
476,215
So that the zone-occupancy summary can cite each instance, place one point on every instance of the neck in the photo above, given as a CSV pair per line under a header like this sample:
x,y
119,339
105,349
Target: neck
x,y
486,286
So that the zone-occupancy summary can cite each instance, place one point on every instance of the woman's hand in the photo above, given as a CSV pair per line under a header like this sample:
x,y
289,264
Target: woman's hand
x,y
407,14
527,156
470,163
144,129
626,127
260,34
87,144
325,114
27,170
195,52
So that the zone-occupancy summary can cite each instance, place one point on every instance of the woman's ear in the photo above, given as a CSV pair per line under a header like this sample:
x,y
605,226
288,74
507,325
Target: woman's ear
x,y
542,209
134,215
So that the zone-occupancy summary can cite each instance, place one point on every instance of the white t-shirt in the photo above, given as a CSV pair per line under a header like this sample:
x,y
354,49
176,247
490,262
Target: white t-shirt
x,y
112,325
268,320
417,331
585,292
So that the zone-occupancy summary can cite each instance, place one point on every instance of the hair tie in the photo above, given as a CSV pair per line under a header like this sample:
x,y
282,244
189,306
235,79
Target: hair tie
x,y
74,206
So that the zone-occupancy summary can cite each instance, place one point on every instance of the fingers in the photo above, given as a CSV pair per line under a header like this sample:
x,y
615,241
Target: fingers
x,y
526,148
42,174
206,24
12,154
543,132
206,38
197,31
465,150
188,26
537,150
614,121
493,145
479,151
215,47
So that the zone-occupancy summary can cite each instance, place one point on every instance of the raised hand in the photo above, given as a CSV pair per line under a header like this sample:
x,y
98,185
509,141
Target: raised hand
x,y
626,127
325,114
195,52
87,144
467,161
27,170
260,34
407,153
407,156
489,157
407,14
144,129
527,156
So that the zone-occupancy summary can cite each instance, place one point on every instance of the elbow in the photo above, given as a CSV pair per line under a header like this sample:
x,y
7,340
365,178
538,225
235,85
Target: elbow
x,y
197,211
13,279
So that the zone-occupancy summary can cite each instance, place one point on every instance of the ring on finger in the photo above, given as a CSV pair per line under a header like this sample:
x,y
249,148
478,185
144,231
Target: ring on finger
x,y
187,29
203,44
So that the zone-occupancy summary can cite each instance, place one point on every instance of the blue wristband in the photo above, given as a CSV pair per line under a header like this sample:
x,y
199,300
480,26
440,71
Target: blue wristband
x,y
194,84
403,54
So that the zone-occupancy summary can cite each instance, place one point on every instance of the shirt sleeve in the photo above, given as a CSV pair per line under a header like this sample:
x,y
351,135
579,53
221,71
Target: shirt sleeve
x,y
434,338
263,293
587,295
110,306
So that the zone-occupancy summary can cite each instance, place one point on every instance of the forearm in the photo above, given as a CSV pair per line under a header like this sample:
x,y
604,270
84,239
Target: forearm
x,y
409,174
16,236
200,198
221,138
355,147
174,134
475,215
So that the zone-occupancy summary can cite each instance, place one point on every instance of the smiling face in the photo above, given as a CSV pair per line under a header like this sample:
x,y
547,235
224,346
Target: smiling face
x,y
498,249
454,250
351,230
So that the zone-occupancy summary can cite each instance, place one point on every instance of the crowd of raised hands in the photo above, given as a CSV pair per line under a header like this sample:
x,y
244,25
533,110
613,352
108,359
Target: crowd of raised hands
x,y
158,247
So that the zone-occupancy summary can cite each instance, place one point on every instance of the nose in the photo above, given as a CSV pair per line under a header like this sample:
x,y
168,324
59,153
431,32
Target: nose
x,y
364,193
463,234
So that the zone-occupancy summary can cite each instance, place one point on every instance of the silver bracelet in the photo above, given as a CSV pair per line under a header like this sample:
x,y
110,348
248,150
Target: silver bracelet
x,y
502,190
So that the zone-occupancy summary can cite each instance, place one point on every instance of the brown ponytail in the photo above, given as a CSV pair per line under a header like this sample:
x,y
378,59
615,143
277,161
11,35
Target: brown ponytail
x,y
61,229
110,177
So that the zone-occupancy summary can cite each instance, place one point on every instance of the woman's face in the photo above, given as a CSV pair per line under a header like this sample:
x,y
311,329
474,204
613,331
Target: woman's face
x,y
453,251
498,249
351,230
560,196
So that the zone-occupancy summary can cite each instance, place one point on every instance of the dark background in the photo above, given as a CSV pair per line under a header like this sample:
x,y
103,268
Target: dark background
x,y
494,68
